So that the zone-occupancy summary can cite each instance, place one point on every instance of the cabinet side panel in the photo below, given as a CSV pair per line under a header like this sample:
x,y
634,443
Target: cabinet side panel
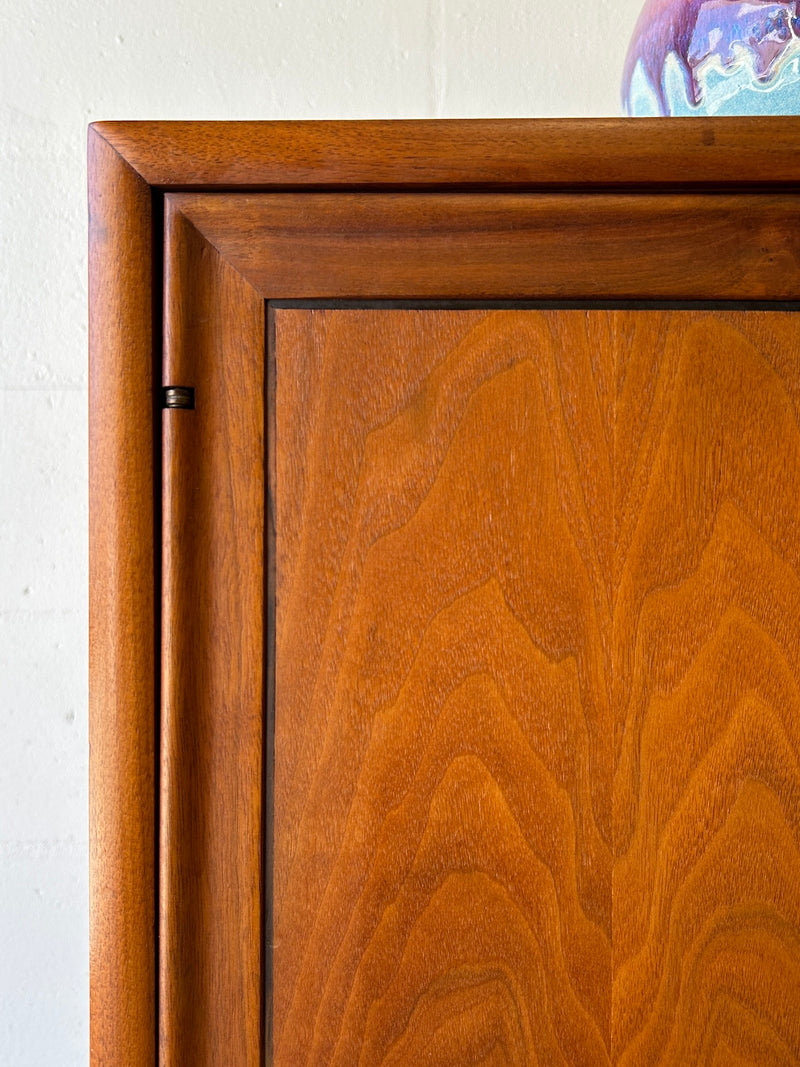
x,y
707,689
213,640
122,665
442,872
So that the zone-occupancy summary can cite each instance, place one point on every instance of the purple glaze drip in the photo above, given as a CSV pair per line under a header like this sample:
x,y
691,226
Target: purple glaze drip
x,y
694,30
664,26
764,30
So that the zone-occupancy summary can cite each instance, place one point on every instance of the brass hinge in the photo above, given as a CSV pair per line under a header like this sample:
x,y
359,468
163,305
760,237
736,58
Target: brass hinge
x,y
178,396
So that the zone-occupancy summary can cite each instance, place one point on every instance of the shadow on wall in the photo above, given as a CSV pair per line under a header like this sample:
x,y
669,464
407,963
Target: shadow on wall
x,y
714,57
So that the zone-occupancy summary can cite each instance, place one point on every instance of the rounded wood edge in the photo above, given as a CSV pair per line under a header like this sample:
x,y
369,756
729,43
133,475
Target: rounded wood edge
x,y
482,153
122,651
212,876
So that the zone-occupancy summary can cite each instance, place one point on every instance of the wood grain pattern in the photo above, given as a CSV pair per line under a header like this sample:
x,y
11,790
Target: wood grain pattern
x,y
707,701
515,247
122,637
667,880
442,870
211,856
493,153
527,563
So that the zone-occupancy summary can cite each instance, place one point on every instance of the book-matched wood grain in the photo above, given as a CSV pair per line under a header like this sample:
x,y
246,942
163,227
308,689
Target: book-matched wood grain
x,y
122,614
707,691
521,246
212,722
527,563
442,855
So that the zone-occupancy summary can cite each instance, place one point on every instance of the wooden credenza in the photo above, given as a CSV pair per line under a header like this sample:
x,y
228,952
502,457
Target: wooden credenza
x,y
445,604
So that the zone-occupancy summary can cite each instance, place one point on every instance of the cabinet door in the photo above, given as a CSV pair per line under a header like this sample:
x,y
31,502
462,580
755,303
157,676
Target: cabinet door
x,y
534,712
479,630
532,566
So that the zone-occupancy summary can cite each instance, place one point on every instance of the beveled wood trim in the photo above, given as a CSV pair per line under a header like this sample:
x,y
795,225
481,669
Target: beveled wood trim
x,y
211,858
505,246
486,153
122,615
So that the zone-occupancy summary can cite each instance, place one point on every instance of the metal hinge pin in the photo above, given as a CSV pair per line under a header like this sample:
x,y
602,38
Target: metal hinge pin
x,y
178,396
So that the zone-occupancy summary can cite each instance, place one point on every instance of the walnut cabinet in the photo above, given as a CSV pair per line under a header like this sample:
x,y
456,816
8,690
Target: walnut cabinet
x,y
445,593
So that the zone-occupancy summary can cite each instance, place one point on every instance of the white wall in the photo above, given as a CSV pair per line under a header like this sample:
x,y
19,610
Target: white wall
x,y
63,64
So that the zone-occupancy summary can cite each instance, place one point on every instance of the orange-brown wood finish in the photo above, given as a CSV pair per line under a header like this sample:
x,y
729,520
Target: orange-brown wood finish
x,y
707,696
609,680
498,534
511,154
122,614
555,245
211,876
442,873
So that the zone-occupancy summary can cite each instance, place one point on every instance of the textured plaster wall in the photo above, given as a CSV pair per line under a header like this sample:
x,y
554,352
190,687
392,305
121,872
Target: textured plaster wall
x,y
62,65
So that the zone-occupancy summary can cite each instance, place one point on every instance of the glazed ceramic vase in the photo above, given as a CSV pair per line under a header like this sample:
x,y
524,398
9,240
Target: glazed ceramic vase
x,y
714,57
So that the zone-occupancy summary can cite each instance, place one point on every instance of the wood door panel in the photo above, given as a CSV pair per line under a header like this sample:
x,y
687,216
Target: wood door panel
x,y
707,662
522,556
442,864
